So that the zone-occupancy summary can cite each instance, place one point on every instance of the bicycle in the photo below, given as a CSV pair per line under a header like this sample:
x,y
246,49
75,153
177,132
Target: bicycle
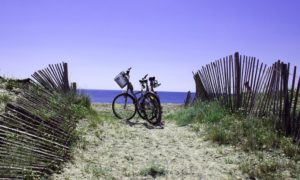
x,y
155,118
154,84
126,104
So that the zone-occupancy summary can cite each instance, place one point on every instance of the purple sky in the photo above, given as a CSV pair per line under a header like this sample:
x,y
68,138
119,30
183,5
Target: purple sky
x,y
165,38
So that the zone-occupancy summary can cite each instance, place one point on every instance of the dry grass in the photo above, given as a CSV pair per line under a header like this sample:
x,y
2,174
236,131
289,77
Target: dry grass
x,y
268,153
115,150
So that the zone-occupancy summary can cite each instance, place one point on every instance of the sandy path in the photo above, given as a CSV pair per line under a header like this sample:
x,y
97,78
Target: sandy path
x,y
120,151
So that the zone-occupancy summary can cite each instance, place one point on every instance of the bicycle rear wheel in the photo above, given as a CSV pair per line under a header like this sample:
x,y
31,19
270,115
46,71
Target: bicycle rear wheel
x,y
124,106
150,109
140,107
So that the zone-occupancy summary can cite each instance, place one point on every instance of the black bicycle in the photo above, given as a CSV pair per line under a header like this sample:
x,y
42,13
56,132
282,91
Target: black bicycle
x,y
154,118
125,105
154,84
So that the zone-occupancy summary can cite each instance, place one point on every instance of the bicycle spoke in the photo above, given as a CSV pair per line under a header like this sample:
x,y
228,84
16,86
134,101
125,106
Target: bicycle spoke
x,y
124,107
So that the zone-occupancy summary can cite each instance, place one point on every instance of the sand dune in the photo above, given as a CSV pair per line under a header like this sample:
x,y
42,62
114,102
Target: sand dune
x,y
116,150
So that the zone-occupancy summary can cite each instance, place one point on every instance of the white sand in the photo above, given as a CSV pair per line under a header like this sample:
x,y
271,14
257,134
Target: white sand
x,y
120,151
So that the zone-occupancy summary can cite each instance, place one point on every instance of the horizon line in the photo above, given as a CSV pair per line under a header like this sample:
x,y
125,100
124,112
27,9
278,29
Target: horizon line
x,y
124,90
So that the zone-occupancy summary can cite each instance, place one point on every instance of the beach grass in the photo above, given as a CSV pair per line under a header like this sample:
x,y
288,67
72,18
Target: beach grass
x,y
253,135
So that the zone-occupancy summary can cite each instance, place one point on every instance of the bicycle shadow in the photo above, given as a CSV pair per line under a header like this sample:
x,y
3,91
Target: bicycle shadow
x,y
145,124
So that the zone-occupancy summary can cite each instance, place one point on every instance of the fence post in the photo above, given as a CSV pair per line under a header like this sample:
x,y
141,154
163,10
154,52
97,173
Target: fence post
x,y
73,86
237,80
187,99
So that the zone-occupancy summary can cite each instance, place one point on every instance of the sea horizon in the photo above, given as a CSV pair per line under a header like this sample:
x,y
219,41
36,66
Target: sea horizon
x,y
107,96
79,89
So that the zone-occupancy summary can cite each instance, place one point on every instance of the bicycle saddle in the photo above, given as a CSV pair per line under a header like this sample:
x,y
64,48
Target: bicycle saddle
x,y
152,78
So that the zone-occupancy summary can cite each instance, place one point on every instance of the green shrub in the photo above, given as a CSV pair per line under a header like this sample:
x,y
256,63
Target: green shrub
x,y
259,134
94,119
31,175
226,131
268,167
154,171
211,112
71,105
289,147
95,170
11,84
78,111
184,116
249,133
199,112
83,100
4,98
234,128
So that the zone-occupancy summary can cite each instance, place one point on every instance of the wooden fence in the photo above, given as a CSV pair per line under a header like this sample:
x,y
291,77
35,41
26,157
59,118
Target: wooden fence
x,y
55,77
243,83
35,134
188,99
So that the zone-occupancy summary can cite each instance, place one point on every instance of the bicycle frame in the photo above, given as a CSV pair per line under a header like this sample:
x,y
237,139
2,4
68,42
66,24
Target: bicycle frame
x,y
129,89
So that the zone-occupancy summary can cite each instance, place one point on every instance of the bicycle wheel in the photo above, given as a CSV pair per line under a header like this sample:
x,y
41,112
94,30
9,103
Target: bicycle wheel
x,y
124,106
140,107
149,107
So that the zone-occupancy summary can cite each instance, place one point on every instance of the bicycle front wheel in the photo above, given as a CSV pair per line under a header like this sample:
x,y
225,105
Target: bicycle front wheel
x,y
124,106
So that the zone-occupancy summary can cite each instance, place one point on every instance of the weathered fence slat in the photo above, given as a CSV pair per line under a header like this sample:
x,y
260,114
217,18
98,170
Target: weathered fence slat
x,y
244,83
29,139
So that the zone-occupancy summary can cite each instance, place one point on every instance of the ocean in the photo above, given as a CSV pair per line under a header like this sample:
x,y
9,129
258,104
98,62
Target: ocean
x,y
107,96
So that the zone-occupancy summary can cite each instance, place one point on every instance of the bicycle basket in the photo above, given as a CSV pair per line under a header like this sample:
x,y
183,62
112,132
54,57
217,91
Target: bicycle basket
x,y
121,79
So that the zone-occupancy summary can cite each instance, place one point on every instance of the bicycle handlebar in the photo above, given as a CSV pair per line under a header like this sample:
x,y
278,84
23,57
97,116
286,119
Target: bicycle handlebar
x,y
128,71
144,80
153,82
145,77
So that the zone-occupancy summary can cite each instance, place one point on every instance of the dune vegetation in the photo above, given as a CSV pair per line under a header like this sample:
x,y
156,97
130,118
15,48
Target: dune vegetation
x,y
270,155
28,135
112,149
204,140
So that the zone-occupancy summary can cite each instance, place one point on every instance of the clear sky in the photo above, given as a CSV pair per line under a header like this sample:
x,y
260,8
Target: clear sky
x,y
165,38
